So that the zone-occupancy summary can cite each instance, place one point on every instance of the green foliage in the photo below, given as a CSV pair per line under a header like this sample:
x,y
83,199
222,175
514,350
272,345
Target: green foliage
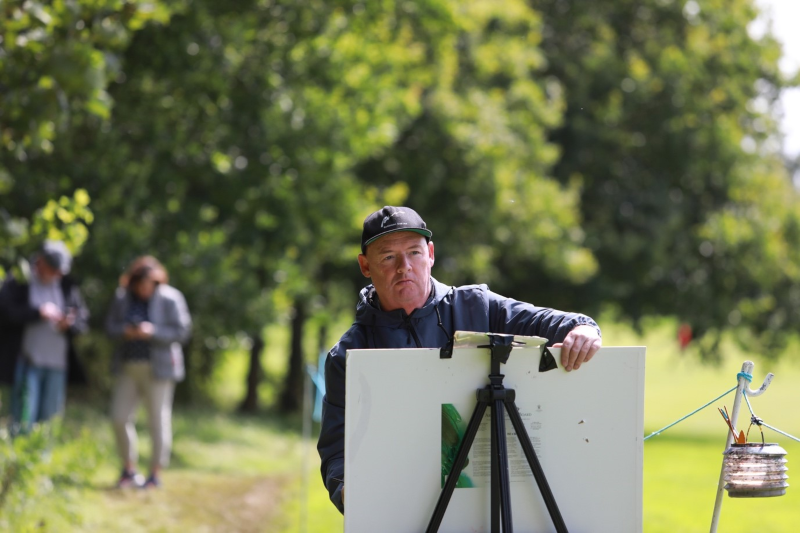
x,y
670,136
576,155
475,161
239,131
56,59
67,219
37,471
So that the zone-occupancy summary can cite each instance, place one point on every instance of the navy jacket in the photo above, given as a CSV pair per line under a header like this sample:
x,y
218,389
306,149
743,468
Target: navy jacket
x,y
467,308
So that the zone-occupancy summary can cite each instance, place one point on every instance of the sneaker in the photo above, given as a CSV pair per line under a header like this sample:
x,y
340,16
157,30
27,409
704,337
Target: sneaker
x,y
153,482
130,479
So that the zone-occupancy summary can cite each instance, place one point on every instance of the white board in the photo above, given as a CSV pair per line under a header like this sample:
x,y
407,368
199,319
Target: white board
x,y
586,425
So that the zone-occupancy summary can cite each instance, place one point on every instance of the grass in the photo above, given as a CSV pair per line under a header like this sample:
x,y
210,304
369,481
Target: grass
x,y
229,473
234,473
681,466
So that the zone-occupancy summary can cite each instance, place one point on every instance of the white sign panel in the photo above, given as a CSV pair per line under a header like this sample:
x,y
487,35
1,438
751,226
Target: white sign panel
x,y
406,410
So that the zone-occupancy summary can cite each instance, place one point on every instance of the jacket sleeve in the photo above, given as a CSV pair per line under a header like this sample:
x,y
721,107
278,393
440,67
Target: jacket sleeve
x,y
507,315
14,307
331,438
78,305
178,323
115,319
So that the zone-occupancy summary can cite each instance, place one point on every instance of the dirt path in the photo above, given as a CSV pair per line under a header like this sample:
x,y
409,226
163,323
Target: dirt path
x,y
190,501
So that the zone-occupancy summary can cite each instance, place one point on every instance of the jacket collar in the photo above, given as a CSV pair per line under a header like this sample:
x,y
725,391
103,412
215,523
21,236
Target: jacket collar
x,y
368,310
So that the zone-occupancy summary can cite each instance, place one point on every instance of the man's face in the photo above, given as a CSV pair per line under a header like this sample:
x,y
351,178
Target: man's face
x,y
399,265
45,272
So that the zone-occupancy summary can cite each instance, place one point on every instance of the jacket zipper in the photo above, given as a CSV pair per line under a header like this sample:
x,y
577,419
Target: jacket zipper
x,y
410,328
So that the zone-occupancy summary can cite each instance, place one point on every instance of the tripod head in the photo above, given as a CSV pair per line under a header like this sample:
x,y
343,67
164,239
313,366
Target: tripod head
x,y
500,345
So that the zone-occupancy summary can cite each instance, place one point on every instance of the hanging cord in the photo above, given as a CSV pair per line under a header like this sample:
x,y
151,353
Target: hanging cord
x,y
653,434
757,421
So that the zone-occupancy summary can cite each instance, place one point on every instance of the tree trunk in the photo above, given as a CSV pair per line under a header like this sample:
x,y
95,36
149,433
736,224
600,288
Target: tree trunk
x,y
254,375
292,396
323,338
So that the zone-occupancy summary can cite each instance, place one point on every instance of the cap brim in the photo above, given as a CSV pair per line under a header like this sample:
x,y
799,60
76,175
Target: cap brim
x,y
424,232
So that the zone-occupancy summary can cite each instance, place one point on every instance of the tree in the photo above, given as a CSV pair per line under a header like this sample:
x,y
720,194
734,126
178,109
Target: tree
x,y
239,176
669,133
55,63
475,162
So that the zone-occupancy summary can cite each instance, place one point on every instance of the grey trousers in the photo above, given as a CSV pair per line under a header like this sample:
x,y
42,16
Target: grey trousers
x,y
136,383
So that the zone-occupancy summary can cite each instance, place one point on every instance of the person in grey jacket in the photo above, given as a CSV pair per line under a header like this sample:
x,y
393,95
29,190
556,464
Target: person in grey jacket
x,y
405,307
150,321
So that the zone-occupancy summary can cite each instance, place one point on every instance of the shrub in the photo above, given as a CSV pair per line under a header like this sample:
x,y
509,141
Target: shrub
x,y
39,474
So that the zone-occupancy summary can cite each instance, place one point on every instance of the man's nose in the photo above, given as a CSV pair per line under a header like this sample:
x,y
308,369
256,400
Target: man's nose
x,y
404,264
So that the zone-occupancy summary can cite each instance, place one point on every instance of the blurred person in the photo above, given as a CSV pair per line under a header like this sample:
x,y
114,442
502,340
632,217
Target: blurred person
x,y
42,315
405,307
684,336
150,321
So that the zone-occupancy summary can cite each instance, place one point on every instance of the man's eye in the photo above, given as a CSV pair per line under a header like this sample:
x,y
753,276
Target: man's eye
x,y
388,258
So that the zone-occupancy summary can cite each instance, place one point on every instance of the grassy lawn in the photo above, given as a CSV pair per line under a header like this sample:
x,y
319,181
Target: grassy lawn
x,y
257,474
681,466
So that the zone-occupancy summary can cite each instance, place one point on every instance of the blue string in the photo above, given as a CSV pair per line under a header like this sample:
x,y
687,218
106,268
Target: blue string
x,y
749,378
760,422
653,434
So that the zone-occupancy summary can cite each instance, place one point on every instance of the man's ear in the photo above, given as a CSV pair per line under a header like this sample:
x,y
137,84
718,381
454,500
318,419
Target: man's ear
x,y
364,265
430,251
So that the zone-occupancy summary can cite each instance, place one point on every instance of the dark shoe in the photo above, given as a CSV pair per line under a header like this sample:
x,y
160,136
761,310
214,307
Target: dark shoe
x,y
153,482
130,479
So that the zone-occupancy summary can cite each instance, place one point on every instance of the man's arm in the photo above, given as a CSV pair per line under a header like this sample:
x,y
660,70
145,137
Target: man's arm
x,y
78,311
13,308
331,438
577,335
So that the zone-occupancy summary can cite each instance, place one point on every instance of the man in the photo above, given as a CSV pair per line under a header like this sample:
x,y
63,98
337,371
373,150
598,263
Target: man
x,y
405,307
41,316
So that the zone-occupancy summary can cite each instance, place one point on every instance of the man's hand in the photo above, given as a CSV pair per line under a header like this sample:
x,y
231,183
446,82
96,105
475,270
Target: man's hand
x,y
50,312
579,346
66,322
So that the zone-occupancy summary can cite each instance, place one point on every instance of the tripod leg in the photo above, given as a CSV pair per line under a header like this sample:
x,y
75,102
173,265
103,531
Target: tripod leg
x,y
458,466
495,473
536,467
499,431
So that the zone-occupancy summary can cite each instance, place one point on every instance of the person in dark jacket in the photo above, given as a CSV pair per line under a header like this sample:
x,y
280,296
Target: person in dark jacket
x,y
42,314
405,307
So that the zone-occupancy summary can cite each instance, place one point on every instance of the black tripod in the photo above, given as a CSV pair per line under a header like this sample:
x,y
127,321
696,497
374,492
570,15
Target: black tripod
x,y
501,400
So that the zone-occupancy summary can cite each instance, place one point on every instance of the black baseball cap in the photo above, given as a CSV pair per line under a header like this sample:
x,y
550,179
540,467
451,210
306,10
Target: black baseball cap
x,y
391,219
